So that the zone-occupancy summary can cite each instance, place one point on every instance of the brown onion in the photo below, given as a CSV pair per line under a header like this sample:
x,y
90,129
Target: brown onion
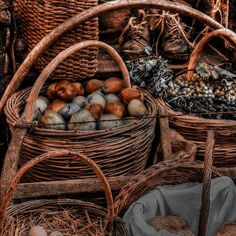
x,y
51,91
93,85
79,89
56,105
129,94
95,109
114,85
115,108
65,90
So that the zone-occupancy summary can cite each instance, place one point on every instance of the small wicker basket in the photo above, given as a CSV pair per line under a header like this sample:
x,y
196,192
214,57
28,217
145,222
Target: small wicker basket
x,y
38,18
63,215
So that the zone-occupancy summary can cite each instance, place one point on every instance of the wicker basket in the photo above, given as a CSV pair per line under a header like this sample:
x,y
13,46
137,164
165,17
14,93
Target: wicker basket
x,y
38,18
120,151
195,128
172,173
21,217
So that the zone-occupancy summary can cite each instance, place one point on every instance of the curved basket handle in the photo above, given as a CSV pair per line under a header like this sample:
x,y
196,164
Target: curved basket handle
x,y
44,157
30,106
89,14
228,34
207,174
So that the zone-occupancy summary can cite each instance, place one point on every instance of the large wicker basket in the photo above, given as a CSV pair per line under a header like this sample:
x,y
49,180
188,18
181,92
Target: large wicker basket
x,y
60,214
195,129
38,18
120,151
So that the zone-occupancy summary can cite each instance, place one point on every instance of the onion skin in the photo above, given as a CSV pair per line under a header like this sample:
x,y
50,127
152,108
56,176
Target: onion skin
x,y
93,85
65,90
129,94
79,89
51,91
114,85
56,105
115,108
137,108
109,121
95,109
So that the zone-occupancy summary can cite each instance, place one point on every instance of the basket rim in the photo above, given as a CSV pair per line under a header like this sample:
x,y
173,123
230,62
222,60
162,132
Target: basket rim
x,y
138,123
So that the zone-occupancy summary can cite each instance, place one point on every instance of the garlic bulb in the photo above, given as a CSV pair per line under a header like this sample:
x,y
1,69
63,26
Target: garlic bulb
x,y
82,120
137,108
40,106
80,100
95,98
69,109
112,98
52,120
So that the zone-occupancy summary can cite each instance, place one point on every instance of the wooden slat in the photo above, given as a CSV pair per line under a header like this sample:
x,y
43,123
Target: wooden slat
x,y
56,188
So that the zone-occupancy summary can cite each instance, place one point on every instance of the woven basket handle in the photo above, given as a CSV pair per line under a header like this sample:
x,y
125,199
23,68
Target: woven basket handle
x,y
30,106
228,34
50,155
207,174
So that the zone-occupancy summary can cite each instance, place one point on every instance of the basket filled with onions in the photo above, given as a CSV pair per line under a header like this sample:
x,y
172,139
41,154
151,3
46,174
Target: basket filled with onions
x,y
107,120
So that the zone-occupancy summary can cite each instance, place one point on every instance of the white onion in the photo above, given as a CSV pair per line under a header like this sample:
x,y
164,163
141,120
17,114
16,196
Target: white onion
x,y
109,121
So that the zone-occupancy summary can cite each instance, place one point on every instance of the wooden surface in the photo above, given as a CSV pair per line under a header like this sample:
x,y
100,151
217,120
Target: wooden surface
x,y
42,189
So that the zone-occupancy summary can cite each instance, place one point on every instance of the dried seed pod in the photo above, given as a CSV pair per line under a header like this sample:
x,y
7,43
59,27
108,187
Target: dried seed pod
x,y
79,100
51,91
69,109
65,90
95,98
37,231
79,88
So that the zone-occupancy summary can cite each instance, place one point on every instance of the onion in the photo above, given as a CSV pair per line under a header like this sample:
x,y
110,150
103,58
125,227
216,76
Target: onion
x,y
69,109
129,94
40,106
65,90
112,98
52,120
109,121
82,120
95,98
130,120
37,231
51,91
137,108
95,109
80,100
93,85
79,88
113,85
55,233
56,105
115,108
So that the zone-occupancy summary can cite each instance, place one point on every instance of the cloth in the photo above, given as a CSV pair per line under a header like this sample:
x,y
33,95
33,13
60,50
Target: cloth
x,y
183,200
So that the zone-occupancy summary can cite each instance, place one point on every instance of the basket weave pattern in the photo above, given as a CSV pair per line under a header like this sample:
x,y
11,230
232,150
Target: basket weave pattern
x,y
38,18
